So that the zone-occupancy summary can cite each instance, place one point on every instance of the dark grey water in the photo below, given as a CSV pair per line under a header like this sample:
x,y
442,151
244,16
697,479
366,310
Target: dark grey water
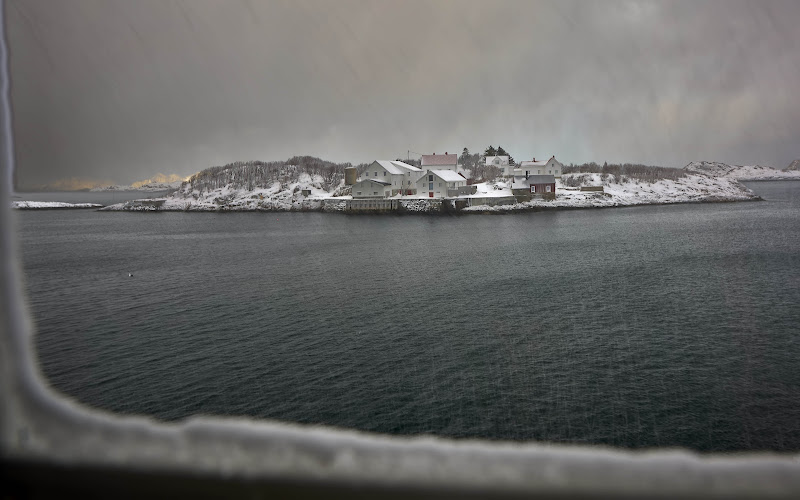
x,y
638,327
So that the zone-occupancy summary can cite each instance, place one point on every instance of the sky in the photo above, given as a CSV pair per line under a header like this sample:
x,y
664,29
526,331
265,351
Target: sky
x,y
117,91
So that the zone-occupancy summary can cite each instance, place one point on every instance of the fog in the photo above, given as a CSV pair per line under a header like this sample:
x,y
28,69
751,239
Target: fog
x,y
118,91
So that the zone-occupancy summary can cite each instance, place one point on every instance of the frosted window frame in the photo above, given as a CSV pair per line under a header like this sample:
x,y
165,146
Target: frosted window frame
x,y
38,425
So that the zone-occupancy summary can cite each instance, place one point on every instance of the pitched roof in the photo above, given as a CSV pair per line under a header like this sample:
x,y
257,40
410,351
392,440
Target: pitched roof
x,y
406,166
533,179
397,167
445,175
536,163
434,160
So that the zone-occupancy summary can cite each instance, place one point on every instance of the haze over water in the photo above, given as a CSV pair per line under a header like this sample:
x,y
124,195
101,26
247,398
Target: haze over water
x,y
637,327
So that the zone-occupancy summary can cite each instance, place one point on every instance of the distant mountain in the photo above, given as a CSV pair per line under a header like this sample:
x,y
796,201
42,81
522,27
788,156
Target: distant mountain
x,y
140,187
160,179
741,172
794,166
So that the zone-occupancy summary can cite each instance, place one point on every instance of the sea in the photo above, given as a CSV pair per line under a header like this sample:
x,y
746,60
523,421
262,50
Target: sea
x,y
672,326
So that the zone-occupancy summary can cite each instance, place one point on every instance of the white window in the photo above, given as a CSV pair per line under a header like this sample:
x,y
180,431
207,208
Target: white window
x,y
430,186
375,192
547,188
430,177
376,174
384,174
366,174
533,189
358,193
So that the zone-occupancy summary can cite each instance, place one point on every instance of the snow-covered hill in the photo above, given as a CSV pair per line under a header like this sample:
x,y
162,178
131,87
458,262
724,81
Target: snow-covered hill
x,y
794,166
623,191
741,172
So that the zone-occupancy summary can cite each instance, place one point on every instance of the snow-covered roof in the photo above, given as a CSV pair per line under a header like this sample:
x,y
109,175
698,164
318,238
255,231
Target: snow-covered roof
x,y
538,163
434,160
446,175
406,166
397,167
503,160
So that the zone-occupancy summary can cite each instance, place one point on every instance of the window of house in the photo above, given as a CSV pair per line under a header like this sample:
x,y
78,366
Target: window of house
x,y
430,177
376,174
358,193
440,184
533,189
375,192
430,186
384,174
547,188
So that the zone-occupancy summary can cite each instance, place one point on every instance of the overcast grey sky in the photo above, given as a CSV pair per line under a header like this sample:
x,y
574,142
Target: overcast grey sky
x,y
118,90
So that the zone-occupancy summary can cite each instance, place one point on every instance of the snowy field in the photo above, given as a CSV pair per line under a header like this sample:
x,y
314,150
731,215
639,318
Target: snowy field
x,y
628,192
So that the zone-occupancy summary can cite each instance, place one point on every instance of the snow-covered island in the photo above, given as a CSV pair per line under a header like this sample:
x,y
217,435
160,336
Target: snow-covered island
x,y
745,172
311,184
159,182
50,205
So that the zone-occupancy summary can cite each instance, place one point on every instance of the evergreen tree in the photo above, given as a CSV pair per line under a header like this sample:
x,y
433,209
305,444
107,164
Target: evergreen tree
x,y
466,159
490,151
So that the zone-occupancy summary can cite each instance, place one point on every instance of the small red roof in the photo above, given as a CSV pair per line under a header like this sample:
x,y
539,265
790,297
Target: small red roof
x,y
433,160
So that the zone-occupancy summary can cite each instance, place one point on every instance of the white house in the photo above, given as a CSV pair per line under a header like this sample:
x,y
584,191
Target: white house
x,y
501,162
372,188
440,183
440,162
543,167
401,176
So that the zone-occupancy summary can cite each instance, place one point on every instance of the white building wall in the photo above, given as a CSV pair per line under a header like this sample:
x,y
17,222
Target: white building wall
x,y
368,190
439,187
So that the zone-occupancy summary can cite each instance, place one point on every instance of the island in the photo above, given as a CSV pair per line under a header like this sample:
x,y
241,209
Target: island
x,y
438,184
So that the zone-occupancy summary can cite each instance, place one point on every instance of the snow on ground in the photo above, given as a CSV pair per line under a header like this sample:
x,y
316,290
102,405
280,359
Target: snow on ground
x,y
277,197
693,187
741,172
37,205
628,192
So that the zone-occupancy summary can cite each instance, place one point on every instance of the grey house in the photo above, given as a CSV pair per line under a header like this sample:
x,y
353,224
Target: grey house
x,y
534,186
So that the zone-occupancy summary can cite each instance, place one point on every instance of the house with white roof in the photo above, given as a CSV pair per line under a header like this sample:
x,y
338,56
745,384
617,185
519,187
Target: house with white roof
x,y
440,162
440,183
543,167
401,176
502,163
372,188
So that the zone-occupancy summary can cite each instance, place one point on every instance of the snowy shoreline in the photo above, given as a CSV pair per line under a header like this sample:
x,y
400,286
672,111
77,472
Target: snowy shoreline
x,y
52,205
622,192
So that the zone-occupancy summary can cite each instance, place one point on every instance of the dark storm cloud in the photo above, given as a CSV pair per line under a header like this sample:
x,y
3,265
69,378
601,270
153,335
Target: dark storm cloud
x,y
122,90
